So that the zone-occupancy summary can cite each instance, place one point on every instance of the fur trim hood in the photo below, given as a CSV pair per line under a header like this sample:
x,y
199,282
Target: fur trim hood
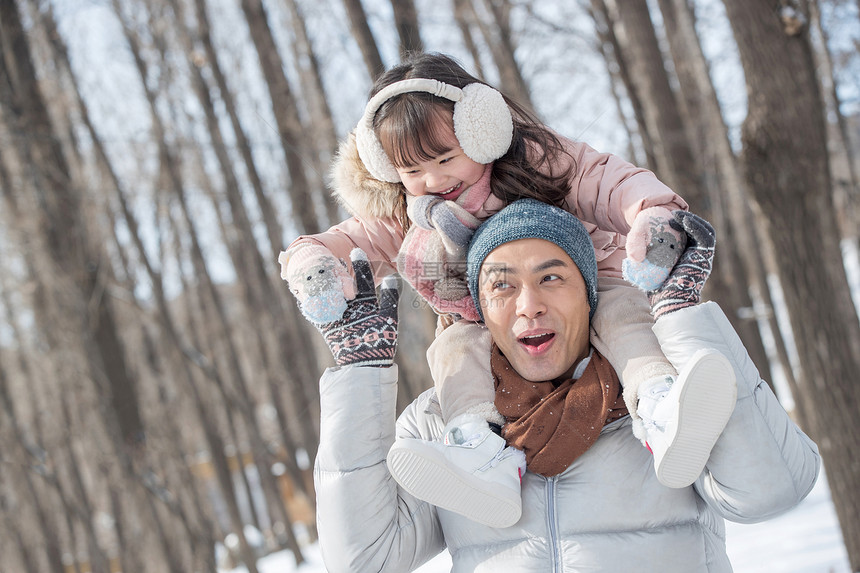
x,y
357,191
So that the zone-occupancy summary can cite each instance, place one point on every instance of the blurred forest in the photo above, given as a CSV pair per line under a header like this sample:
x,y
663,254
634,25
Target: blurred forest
x,y
158,387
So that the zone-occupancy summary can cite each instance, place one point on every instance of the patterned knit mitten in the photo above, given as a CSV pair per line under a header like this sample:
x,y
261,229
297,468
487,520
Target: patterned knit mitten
x,y
683,288
319,281
366,335
654,245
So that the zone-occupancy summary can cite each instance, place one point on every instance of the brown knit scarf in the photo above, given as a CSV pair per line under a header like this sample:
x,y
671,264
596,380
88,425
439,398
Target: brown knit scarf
x,y
556,423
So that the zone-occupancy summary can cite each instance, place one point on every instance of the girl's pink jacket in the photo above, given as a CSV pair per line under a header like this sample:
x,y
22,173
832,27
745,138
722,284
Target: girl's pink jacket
x,y
606,195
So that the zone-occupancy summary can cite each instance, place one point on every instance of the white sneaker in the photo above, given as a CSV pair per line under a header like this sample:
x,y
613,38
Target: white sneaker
x,y
684,418
474,473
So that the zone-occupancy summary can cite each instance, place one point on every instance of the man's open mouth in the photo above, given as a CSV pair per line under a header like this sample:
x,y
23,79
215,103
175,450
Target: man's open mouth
x,y
537,340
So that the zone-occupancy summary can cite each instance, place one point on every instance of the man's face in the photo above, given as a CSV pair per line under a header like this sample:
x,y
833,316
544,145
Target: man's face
x,y
535,305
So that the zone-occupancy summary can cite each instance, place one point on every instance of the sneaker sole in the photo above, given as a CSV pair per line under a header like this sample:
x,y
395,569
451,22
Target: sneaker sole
x,y
429,476
705,405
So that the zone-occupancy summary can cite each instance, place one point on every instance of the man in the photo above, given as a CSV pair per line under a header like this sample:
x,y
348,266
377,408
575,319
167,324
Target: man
x,y
603,508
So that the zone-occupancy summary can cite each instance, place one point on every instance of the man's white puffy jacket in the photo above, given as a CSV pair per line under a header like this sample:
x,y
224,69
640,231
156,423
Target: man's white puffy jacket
x,y
606,512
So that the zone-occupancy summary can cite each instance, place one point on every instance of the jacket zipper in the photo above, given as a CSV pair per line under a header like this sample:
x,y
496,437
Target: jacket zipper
x,y
552,525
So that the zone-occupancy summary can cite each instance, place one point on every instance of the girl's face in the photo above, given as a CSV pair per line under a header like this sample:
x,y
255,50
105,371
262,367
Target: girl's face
x,y
446,175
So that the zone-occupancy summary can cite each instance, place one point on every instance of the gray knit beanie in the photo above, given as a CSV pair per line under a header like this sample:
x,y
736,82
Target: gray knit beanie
x,y
531,219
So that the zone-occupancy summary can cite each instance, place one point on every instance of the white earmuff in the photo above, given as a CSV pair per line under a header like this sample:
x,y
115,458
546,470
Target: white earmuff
x,y
482,123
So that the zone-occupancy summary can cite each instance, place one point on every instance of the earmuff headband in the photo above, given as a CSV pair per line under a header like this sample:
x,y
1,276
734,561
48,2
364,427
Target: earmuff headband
x,y
482,123
434,87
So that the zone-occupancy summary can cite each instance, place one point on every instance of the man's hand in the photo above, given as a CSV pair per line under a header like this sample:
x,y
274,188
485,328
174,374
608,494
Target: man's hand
x,y
366,334
683,288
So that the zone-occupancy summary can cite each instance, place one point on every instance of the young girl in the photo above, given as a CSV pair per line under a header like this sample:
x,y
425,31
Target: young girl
x,y
436,152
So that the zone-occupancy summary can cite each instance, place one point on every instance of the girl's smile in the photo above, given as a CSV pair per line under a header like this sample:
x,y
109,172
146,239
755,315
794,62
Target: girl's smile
x,y
447,175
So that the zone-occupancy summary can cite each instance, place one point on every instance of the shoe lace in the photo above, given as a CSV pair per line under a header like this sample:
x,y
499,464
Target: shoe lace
x,y
496,459
649,405
653,425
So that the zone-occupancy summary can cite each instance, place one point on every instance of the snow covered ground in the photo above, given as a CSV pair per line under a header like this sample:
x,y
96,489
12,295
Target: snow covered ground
x,y
807,539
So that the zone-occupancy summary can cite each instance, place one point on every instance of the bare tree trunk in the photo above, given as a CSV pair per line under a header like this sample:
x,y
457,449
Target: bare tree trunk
x,y
219,334
219,461
216,446
256,285
12,320
98,559
63,467
256,290
127,552
68,457
53,551
418,327
606,24
464,15
51,87
676,164
169,166
67,234
684,49
406,22
703,118
674,161
225,479
10,504
155,280
28,455
293,331
129,557
606,45
42,462
67,514
496,30
242,398
269,213
846,199
76,263
286,112
742,231
364,37
131,552
13,536
220,323
163,535
228,398
174,437
323,133
786,167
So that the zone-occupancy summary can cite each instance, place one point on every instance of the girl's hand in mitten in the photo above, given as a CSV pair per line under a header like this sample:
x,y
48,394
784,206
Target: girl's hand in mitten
x,y
432,258
654,245
319,281
455,225
683,288
366,335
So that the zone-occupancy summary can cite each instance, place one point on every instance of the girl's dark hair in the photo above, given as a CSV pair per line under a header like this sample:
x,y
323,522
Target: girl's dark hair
x,y
407,126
